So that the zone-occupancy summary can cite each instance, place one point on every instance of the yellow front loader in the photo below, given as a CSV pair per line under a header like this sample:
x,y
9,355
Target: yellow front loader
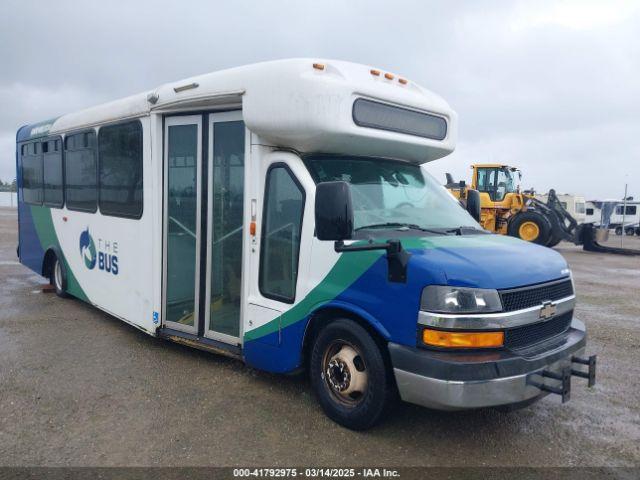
x,y
503,208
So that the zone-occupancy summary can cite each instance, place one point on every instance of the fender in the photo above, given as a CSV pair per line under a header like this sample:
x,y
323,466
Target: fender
x,y
349,307
286,355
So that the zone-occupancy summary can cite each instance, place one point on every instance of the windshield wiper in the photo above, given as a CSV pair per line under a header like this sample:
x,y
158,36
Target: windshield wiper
x,y
460,230
411,226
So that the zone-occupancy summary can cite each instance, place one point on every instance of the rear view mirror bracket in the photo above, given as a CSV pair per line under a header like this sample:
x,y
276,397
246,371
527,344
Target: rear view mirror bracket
x,y
397,257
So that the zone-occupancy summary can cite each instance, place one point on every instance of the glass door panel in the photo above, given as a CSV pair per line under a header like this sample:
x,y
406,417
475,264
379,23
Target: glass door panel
x,y
182,154
226,207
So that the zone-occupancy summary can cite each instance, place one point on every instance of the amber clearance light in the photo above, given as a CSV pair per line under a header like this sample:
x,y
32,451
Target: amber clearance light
x,y
438,338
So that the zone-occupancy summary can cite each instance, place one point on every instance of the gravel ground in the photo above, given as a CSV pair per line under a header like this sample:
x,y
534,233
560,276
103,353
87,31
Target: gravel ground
x,y
78,387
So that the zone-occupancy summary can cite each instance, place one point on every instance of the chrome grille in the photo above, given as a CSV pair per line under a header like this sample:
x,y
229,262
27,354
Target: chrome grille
x,y
531,334
531,296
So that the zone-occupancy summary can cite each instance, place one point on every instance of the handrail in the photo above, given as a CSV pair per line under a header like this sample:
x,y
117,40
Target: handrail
x,y
228,235
183,227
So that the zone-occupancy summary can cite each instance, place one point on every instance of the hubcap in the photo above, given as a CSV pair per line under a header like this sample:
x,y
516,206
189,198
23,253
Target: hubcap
x,y
529,231
345,372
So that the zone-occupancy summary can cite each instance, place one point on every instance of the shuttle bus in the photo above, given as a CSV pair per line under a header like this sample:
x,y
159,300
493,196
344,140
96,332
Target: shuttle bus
x,y
280,213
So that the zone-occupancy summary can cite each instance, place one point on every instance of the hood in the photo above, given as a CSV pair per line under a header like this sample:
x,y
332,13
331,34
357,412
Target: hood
x,y
484,261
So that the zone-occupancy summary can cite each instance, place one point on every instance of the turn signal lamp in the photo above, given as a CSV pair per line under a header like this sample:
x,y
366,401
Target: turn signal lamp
x,y
375,72
439,338
318,66
403,81
388,76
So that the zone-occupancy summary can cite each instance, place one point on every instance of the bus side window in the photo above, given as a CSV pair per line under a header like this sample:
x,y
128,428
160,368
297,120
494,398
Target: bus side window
x,y
281,232
120,169
31,174
52,174
80,172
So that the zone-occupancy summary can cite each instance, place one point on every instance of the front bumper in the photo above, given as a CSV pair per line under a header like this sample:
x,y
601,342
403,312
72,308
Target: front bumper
x,y
464,380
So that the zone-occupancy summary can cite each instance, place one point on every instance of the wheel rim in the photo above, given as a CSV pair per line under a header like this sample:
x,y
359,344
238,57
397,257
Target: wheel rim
x,y
345,372
529,231
57,275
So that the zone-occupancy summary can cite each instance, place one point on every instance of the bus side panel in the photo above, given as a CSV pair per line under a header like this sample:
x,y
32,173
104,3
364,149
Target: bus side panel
x,y
31,251
112,257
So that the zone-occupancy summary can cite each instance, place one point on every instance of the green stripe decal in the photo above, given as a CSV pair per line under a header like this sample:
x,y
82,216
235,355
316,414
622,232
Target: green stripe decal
x,y
48,238
349,267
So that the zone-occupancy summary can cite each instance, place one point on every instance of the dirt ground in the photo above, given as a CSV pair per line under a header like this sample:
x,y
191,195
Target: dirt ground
x,y
78,387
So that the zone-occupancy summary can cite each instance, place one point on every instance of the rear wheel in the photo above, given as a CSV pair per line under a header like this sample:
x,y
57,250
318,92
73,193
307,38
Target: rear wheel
x,y
618,230
58,279
530,226
349,375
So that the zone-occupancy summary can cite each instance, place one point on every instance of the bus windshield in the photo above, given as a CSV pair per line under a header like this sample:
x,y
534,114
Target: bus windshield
x,y
392,194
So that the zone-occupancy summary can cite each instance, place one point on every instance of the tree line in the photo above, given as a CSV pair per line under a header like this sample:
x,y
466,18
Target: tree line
x,y
8,186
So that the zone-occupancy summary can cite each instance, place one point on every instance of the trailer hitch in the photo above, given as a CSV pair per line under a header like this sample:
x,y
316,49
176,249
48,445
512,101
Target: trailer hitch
x,y
590,375
564,377
564,389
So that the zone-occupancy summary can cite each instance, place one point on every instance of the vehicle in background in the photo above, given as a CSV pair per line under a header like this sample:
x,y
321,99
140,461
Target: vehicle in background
x,y
279,213
626,217
573,204
508,211
612,214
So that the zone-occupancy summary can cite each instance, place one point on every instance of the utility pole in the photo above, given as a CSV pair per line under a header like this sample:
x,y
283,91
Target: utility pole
x,y
624,214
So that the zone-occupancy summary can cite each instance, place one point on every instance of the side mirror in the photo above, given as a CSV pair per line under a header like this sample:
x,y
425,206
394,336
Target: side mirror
x,y
333,211
473,204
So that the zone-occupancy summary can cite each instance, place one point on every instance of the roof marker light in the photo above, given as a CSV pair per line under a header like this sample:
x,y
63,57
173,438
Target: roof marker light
x,y
403,81
318,66
182,88
388,76
375,72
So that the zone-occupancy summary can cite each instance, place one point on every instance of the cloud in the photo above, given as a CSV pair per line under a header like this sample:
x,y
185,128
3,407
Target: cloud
x,y
549,86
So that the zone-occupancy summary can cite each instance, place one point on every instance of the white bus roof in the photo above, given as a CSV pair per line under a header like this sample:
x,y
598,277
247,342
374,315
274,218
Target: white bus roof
x,y
303,104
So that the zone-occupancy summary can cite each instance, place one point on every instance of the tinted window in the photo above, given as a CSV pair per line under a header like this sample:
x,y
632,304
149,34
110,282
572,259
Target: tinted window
x,y
32,176
281,231
387,117
52,173
630,210
120,165
589,211
80,172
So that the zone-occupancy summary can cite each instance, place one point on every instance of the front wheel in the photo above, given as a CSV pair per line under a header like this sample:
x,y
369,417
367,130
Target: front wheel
x,y
58,279
348,372
531,226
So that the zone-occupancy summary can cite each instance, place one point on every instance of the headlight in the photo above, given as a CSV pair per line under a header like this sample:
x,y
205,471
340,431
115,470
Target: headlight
x,y
442,299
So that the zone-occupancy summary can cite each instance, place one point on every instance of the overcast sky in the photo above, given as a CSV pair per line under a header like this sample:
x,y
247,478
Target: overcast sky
x,y
552,87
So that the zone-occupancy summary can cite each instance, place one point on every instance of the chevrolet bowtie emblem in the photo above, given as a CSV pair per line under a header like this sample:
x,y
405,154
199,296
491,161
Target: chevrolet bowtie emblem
x,y
548,310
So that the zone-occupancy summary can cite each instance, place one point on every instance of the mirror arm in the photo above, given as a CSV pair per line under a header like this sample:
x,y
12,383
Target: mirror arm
x,y
397,257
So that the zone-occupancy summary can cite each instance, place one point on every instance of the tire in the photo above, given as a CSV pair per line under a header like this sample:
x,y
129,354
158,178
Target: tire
x,y
531,226
345,357
629,232
618,230
553,241
58,279
638,231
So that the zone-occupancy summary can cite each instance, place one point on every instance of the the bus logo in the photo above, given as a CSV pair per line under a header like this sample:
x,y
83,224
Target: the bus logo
x,y
88,249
